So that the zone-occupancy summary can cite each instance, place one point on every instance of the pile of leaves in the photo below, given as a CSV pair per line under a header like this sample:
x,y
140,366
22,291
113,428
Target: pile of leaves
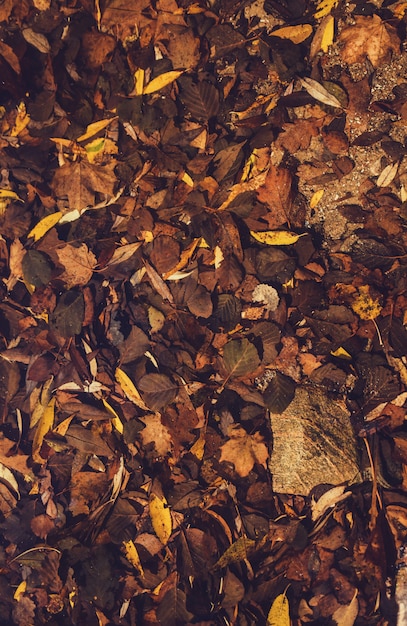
x,y
203,261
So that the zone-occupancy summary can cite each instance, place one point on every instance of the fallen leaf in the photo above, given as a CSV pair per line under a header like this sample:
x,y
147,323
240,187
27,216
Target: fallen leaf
x,y
370,38
160,517
346,615
276,237
162,81
279,613
78,262
244,450
156,435
296,34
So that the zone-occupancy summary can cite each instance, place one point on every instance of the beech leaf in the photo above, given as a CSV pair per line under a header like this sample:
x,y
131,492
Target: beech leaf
x,y
279,613
240,357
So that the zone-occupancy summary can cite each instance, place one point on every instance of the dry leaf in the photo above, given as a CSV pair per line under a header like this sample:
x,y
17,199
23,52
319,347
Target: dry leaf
x,y
156,435
160,517
368,38
244,450
78,262
279,614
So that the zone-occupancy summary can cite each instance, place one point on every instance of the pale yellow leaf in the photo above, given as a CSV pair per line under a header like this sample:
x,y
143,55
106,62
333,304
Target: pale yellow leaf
x,y
346,615
279,614
160,515
324,7
129,389
7,476
328,500
296,34
162,81
44,225
387,175
44,425
276,237
318,91
95,128
156,319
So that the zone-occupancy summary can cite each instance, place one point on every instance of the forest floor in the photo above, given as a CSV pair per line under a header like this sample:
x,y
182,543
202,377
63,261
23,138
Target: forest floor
x,y
203,263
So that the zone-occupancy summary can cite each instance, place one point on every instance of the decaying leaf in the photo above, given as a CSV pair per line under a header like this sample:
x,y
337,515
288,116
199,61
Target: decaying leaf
x,y
238,551
78,263
366,306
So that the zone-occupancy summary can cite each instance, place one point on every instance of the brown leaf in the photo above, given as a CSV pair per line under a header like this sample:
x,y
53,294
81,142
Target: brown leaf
x,y
78,262
368,38
276,193
156,434
80,181
244,450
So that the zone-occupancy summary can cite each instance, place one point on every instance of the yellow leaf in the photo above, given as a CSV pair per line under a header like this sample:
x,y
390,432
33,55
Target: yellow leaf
x,y
22,120
324,7
129,389
276,237
20,591
138,82
187,179
341,353
95,128
44,225
162,81
131,554
316,198
279,614
366,307
296,34
198,448
184,258
10,195
160,517
44,425
328,34
116,421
